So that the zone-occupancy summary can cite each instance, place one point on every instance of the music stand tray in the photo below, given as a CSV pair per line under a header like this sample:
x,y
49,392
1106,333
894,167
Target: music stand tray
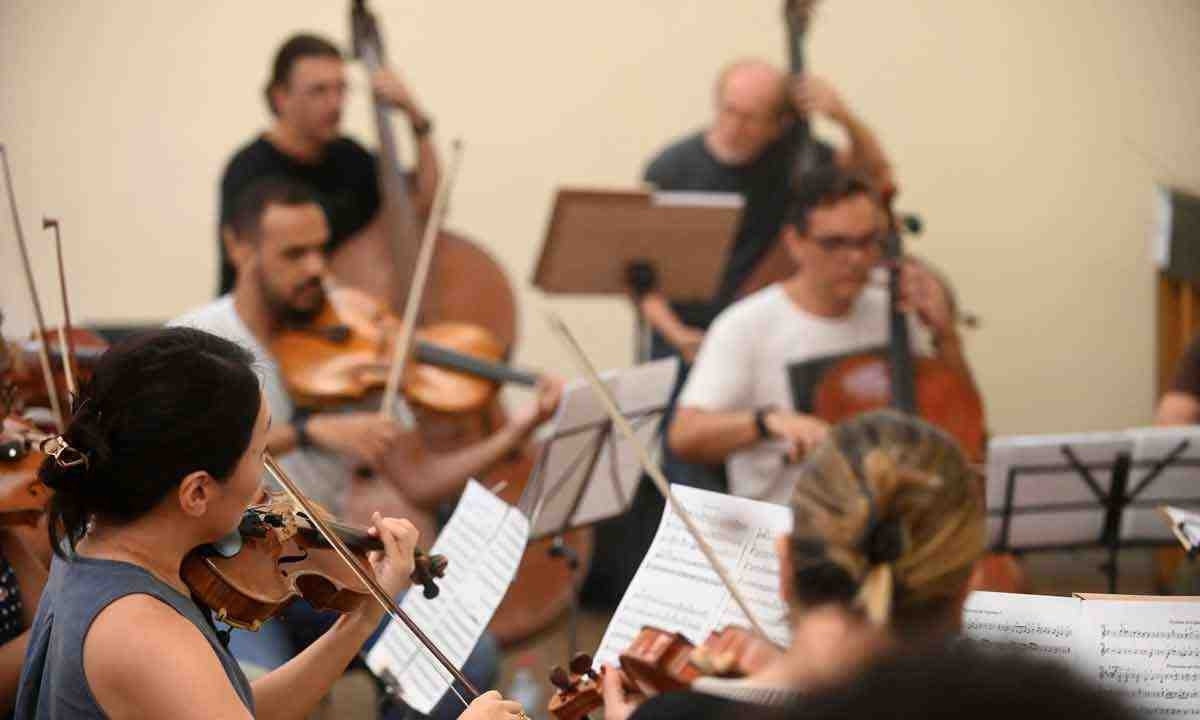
x,y
594,236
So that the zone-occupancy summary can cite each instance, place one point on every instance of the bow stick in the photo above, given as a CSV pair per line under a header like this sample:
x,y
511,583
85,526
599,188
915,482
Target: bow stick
x,y
66,341
43,347
416,291
652,469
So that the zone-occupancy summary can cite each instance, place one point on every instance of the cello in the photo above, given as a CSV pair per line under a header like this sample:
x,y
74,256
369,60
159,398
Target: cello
x,y
466,285
776,264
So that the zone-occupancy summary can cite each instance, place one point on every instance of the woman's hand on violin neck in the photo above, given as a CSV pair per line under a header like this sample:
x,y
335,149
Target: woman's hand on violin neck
x,y
619,704
394,564
362,437
491,706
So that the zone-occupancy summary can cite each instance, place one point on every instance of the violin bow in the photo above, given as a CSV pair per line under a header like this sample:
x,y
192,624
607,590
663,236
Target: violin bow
x,y
43,346
66,340
381,595
416,291
652,469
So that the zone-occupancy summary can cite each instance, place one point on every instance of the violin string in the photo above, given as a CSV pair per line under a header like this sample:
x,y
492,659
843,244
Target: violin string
x,y
652,469
43,346
416,291
66,341
381,596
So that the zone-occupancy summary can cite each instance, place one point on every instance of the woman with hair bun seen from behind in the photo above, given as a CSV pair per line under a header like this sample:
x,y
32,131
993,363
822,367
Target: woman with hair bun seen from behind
x,y
888,525
164,452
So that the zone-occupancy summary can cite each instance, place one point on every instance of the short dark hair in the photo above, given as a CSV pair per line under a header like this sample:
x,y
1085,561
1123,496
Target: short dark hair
x,y
245,215
294,49
159,406
822,187
965,682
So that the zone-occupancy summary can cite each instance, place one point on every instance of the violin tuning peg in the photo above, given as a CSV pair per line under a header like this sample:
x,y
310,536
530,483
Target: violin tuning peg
x,y
560,679
438,565
581,664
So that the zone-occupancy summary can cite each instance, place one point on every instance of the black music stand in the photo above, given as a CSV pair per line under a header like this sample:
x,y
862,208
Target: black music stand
x,y
1050,493
588,472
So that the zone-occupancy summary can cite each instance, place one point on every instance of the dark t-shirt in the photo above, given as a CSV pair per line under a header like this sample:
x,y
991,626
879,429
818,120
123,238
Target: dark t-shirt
x,y
1187,372
344,179
688,165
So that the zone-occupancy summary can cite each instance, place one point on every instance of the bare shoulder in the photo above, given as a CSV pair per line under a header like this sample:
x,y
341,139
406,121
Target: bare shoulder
x,y
135,653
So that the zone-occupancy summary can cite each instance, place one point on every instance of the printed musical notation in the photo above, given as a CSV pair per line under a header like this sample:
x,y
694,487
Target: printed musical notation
x,y
483,542
1146,649
676,589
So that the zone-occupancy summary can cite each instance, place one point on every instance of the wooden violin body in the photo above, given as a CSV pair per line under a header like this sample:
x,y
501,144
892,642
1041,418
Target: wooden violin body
x,y
658,661
26,374
23,497
279,557
344,353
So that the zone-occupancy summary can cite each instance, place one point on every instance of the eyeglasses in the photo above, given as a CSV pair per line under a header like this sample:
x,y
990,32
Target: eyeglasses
x,y
835,243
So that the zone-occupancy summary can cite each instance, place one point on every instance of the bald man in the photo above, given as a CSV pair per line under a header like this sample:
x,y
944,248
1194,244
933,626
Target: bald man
x,y
750,148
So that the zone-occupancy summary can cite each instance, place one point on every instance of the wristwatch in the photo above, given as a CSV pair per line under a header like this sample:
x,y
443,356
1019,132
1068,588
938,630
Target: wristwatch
x,y
760,422
300,425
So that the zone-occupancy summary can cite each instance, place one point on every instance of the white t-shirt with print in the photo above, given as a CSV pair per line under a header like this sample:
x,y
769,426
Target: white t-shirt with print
x,y
744,364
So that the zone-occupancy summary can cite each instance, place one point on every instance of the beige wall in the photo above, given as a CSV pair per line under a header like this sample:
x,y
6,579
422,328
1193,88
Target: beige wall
x,y
1028,133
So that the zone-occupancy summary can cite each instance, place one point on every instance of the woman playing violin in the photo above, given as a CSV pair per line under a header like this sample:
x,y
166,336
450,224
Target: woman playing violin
x,y
888,524
162,455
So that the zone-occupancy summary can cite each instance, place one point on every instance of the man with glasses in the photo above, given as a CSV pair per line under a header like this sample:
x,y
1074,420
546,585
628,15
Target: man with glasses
x,y
306,94
747,400
752,147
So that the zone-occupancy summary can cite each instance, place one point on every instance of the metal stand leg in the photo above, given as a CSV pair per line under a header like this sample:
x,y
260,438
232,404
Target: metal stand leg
x,y
560,549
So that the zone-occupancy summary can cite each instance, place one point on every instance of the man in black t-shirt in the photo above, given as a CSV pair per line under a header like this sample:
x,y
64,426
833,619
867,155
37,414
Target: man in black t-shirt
x,y
751,148
306,94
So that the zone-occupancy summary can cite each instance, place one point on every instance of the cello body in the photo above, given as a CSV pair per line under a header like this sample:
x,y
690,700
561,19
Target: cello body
x,y
466,285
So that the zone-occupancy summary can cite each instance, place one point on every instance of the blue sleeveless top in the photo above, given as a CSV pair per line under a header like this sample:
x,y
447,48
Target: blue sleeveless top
x,y
53,684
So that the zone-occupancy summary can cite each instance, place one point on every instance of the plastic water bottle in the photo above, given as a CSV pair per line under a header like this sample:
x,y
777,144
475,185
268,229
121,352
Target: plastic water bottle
x,y
525,688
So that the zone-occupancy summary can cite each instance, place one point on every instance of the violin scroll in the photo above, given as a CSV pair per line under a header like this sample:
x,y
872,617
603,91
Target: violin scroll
x,y
427,569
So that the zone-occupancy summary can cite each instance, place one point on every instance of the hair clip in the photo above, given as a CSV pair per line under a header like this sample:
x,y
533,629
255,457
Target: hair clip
x,y
64,455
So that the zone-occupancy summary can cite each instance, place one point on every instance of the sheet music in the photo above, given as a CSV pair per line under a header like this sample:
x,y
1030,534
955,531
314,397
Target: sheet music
x,y
675,589
696,198
483,543
1042,625
581,429
1147,650
1185,525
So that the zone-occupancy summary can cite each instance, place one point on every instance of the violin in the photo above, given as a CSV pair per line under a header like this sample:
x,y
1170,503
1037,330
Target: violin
x,y
23,497
344,354
84,350
276,555
658,661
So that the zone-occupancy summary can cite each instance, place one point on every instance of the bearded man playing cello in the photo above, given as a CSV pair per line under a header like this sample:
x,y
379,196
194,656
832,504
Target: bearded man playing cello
x,y
748,399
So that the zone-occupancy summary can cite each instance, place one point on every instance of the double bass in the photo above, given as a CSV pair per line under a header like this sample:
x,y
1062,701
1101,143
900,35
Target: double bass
x,y
466,285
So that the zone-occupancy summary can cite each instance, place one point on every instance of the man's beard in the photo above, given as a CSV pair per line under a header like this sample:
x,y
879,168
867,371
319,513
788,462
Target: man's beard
x,y
285,312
